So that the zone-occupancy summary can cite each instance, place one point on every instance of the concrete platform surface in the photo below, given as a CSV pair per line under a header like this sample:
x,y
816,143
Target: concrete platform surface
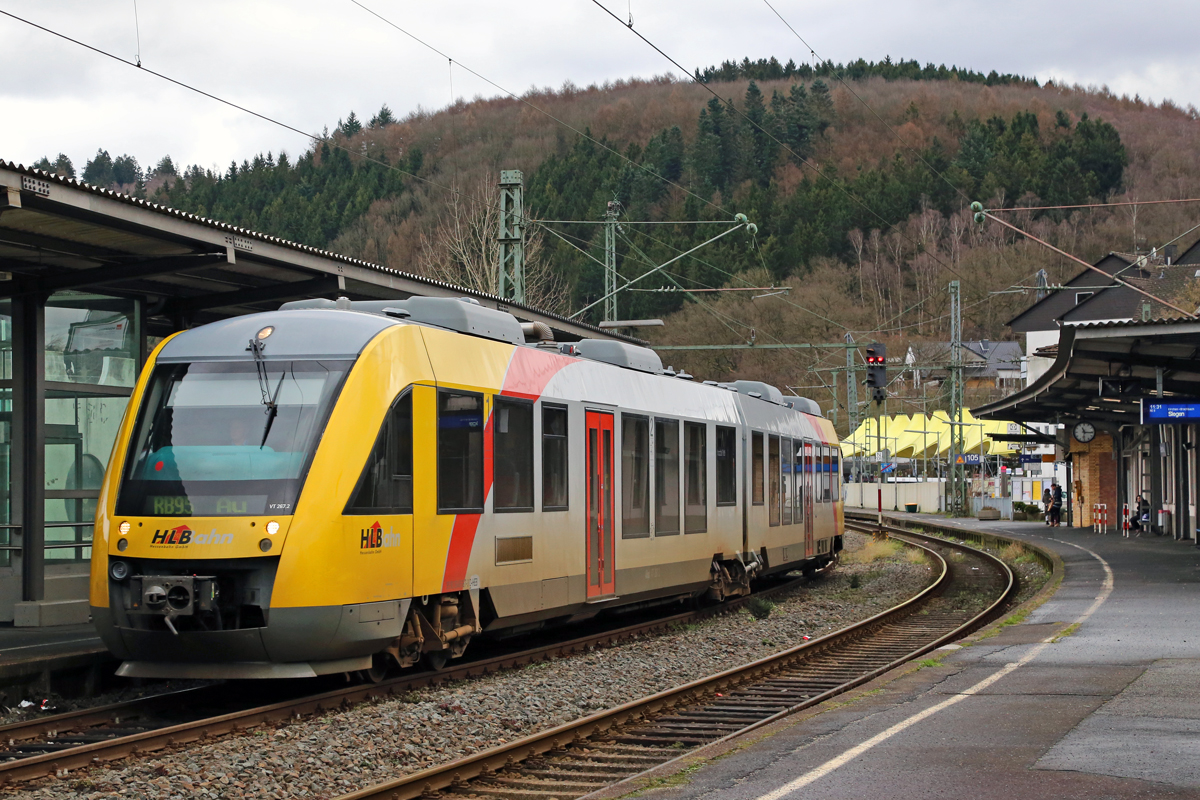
x,y
1110,710
26,644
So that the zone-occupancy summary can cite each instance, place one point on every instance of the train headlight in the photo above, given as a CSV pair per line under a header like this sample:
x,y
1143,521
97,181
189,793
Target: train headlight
x,y
124,527
119,570
272,527
264,545
265,332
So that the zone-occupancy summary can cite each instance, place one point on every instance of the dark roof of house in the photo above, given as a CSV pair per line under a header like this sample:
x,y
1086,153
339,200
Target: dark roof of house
x,y
1124,303
982,359
1045,314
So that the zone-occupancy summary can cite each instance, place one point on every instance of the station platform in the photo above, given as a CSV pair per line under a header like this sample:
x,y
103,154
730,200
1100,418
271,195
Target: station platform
x,y
1095,694
67,659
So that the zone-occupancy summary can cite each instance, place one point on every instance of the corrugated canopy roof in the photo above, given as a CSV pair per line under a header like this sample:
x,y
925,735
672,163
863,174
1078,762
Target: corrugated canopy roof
x,y
1126,356
58,233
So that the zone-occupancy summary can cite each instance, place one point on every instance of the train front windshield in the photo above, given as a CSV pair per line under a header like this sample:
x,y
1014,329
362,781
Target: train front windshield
x,y
227,438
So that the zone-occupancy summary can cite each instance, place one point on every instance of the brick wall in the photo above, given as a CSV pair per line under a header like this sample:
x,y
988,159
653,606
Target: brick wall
x,y
1096,476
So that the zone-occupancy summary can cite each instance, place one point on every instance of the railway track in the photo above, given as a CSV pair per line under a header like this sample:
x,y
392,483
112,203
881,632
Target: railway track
x,y
613,746
55,744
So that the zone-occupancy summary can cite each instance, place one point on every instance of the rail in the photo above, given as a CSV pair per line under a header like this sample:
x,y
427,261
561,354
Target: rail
x,y
700,700
76,739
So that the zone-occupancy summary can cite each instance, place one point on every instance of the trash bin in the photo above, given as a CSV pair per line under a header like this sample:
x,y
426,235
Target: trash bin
x,y
911,508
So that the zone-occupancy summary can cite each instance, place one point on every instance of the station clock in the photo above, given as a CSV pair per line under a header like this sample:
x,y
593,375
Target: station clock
x,y
1084,432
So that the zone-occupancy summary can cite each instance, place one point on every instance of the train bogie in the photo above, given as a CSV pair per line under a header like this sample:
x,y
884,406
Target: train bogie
x,y
311,490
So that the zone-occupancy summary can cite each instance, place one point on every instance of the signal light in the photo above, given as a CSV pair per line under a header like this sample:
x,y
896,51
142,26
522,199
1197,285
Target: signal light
x,y
877,371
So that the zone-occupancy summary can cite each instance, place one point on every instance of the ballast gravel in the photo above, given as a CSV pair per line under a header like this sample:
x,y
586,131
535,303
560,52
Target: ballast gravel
x,y
342,751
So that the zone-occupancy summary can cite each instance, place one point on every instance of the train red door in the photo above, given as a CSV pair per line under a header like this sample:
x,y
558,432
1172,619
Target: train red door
x,y
600,505
810,484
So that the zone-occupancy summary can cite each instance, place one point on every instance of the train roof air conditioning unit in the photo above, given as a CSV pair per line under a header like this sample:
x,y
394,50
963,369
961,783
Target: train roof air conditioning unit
x,y
620,354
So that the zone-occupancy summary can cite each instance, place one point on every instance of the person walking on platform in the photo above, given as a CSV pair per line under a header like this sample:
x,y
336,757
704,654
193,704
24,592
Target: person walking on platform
x,y
1047,497
1056,502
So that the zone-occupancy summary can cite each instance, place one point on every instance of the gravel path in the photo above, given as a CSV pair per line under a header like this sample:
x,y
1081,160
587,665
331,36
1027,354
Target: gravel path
x,y
341,751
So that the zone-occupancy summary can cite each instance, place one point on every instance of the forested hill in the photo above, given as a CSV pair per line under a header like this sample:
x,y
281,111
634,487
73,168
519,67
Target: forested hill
x,y
859,198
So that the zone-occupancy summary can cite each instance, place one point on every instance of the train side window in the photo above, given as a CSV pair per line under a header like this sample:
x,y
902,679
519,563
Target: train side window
x,y
786,483
726,466
385,486
826,476
554,458
798,480
773,480
756,467
635,476
666,477
695,456
837,473
512,453
460,452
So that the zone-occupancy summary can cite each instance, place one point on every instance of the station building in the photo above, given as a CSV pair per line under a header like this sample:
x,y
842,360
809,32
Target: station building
x,y
90,281
1105,383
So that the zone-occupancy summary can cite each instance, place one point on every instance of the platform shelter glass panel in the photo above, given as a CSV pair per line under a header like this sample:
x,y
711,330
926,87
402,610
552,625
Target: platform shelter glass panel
x,y
80,431
92,339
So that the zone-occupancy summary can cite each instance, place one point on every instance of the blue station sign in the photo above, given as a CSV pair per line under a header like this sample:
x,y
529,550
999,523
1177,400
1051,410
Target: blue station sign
x,y
1170,411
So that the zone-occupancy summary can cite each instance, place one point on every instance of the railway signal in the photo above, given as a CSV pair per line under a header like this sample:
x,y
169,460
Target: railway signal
x,y
877,371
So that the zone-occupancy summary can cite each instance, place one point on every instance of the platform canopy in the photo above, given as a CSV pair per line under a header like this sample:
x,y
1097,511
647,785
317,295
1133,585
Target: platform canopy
x,y
59,234
1102,371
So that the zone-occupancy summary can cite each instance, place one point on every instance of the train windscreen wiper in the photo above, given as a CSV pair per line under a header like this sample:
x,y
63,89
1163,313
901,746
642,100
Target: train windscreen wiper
x,y
269,398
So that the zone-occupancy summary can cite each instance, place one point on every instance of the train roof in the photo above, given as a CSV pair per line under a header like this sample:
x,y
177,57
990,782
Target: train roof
x,y
314,338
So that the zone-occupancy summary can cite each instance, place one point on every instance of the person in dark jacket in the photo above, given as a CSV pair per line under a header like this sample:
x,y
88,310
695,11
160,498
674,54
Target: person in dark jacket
x,y
1056,502
1047,498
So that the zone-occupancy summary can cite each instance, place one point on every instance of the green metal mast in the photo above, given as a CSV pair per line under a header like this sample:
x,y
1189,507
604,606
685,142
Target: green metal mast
x,y
511,236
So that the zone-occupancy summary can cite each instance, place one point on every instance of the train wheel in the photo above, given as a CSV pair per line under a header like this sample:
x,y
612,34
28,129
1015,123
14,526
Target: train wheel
x,y
378,670
436,660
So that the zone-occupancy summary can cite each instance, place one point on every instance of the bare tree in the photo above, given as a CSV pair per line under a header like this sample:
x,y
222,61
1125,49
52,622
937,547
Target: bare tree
x,y
463,250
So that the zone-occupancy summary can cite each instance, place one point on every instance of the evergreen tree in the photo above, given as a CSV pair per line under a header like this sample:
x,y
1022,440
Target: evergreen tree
x,y
383,118
351,126
99,171
126,171
165,167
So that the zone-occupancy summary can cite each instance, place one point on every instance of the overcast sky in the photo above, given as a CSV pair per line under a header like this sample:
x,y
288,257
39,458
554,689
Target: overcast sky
x,y
309,63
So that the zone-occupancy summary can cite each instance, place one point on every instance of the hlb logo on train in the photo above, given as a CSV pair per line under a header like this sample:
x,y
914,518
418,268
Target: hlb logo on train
x,y
180,535
373,539
185,535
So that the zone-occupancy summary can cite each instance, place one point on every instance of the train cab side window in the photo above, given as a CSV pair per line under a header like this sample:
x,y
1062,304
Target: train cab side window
x,y
786,484
666,477
773,480
386,483
756,468
635,477
554,458
726,466
512,449
695,457
460,452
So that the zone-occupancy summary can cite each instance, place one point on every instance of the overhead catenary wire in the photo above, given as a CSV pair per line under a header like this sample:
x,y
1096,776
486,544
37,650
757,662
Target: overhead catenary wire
x,y
1076,259
268,119
1096,205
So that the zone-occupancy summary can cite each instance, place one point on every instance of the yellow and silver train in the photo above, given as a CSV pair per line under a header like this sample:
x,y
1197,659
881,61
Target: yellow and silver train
x,y
343,487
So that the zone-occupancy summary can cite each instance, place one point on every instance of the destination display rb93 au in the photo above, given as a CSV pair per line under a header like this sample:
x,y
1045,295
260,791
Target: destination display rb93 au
x,y
205,506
